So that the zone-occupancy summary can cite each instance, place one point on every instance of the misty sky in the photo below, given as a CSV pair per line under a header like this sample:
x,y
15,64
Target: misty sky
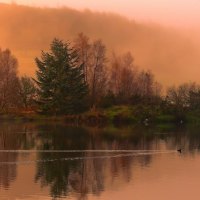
x,y
169,12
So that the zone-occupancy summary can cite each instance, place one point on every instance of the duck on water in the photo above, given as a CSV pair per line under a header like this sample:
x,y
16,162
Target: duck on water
x,y
179,150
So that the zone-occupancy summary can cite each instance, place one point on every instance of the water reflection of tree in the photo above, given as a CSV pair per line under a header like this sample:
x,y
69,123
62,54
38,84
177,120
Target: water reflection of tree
x,y
13,136
56,173
88,176
92,176
187,138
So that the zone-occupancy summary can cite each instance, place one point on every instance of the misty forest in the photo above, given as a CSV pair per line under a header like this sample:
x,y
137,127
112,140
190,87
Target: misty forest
x,y
99,99
76,77
82,78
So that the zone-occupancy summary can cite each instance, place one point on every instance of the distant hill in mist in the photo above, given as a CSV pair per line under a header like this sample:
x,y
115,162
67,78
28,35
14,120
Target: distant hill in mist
x,y
172,57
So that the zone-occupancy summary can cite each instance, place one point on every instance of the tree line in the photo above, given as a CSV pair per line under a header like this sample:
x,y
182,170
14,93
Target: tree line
x,y
74,77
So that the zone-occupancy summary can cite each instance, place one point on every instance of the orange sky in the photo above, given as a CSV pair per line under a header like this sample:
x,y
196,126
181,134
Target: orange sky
x,y
170,12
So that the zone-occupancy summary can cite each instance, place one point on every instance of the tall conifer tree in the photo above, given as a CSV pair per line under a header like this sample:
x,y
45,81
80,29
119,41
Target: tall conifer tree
x,y
60,80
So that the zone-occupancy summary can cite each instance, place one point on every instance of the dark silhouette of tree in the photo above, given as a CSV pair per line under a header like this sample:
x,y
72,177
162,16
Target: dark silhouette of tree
x,y
83,47
146,84
60,80
27,92
180,96
182,99
130,85
194,99
97,77
93,57
9,82
123,77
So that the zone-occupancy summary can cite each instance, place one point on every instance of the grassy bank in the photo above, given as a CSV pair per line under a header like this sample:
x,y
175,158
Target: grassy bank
x,y
112,115
117,115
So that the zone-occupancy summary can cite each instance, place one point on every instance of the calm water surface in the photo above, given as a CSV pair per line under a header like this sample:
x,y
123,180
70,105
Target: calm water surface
x,y
140,175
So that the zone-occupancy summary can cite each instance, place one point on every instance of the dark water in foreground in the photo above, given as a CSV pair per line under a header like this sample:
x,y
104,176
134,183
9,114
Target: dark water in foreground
x,y
140,175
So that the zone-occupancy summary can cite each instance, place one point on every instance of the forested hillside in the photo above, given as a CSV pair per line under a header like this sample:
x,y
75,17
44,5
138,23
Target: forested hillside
x,y
27,31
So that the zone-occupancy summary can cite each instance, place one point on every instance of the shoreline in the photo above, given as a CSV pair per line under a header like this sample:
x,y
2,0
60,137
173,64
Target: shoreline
x,y
103,118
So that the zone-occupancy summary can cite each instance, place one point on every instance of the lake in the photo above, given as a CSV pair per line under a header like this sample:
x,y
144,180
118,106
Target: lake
x,y
55,161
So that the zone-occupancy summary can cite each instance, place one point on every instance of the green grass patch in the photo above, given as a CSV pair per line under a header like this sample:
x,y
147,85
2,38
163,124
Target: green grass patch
x,y
164,118
120,114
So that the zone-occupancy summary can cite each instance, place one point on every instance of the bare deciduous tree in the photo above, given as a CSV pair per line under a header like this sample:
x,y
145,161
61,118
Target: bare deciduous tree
x,y
97,76
83,46
115,74
93,57
123,76
146,82
9,83
182,96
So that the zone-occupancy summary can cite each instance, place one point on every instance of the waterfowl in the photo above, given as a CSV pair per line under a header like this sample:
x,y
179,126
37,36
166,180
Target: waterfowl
x,y
179,150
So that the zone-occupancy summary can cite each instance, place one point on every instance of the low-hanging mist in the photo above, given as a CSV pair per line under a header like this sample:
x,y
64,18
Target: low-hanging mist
x,y
172,56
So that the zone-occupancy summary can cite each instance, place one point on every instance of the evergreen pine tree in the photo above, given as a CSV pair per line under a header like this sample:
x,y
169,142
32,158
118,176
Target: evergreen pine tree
x,y
60,80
